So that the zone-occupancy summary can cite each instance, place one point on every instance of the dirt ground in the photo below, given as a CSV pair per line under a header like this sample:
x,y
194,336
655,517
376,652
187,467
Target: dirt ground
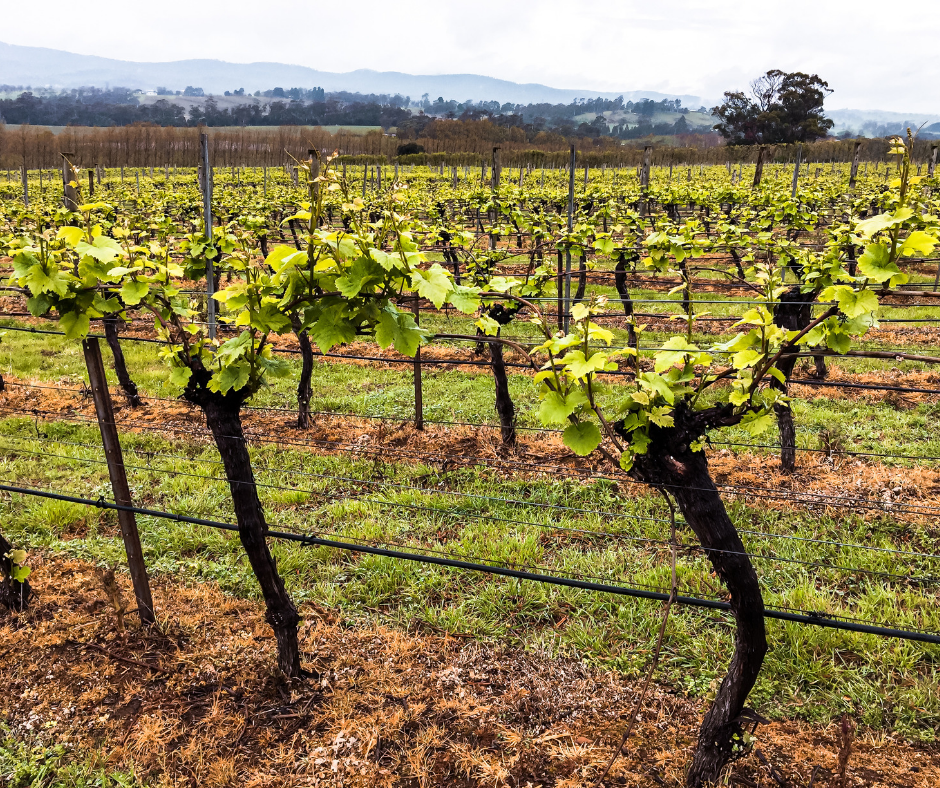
x,y
199,704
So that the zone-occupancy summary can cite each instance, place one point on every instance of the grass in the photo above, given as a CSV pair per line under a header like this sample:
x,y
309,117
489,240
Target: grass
x,y
809,672
25,763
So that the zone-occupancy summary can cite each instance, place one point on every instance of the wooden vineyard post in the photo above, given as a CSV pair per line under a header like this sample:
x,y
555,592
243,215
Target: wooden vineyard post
x,y
25,187
91,183
207,220
264,181
853,173
70,196
585,174
645,178
119,486
419,388
796,170
568,245
494,185
932,165
759,167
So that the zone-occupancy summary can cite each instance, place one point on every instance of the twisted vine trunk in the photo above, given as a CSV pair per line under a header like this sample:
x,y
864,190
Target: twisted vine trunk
x,y
794,314
223,419
304,389
504,407
671,464
582,278
620,281
120,366
14,595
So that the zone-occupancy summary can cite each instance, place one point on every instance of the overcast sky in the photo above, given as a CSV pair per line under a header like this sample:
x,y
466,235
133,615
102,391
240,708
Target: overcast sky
x,y
874,55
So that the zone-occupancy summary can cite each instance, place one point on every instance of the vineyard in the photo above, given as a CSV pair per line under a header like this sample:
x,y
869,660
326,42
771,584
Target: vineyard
x,y
635,462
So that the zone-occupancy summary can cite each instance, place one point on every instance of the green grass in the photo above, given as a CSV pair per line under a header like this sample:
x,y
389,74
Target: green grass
x,y
25,763
809,671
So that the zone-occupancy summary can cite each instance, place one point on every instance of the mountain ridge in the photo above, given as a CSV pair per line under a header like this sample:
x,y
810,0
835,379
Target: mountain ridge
x,y
42,66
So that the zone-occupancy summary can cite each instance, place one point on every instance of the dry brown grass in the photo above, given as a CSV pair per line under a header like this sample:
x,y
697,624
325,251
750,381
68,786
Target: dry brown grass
x,y
381,707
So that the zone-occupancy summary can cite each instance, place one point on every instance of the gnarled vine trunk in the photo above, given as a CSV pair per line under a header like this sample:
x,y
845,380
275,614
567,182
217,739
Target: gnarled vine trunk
x,y
224,420
14,594
794,314
120,366
670,463
304,389
504,407
620,281
582,278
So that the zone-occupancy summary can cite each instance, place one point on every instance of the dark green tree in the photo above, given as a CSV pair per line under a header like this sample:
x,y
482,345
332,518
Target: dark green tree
x,y
782,108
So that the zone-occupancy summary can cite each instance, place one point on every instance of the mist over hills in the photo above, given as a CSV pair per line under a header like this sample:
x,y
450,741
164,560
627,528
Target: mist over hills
x,y
38,66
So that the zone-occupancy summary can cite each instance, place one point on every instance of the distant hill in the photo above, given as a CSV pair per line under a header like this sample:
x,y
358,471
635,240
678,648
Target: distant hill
x,y
38,66
855,120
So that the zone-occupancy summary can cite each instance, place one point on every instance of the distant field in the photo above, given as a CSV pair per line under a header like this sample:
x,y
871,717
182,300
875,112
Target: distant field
x,y
359,130
615,117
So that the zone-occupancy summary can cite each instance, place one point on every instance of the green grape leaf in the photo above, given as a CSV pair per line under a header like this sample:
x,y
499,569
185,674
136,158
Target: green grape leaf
x,y
384,259
269,319
362,275
17,556
555,408
654,382
674,352
400,329
75,325
332,329
838,341
102,248
852,304
465,299
582,438
876,263
662,417
38,281
38,305
281,257
180,376
132,292
580,367
20,573
230,378
487,325
756,424
433,284
918,242
71,235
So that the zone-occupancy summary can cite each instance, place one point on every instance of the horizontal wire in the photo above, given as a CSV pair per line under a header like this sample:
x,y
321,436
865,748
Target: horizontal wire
x,y
760,534
538,504
763,492
920,580
806,617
